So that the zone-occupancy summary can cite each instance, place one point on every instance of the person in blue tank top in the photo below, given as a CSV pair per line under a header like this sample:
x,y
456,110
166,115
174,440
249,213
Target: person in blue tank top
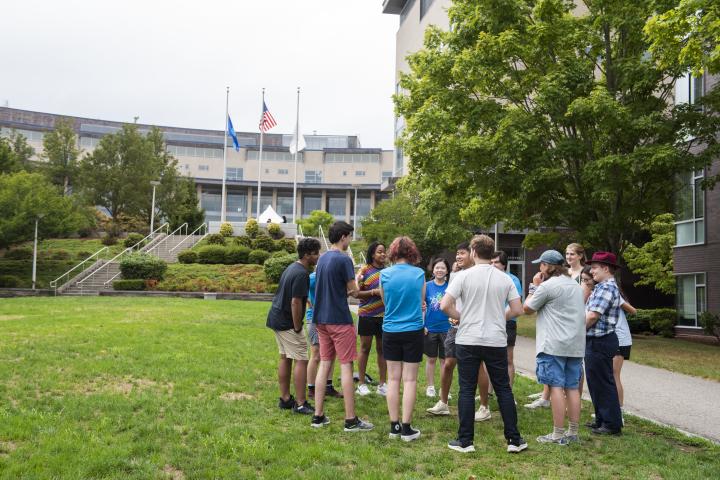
x,y
402,288
437,323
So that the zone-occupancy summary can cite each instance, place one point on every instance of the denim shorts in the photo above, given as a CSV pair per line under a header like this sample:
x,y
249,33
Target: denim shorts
x,y
556,371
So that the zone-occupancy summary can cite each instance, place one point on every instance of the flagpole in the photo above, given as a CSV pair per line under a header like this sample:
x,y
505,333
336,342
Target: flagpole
x,y
262,132
297,140
224,172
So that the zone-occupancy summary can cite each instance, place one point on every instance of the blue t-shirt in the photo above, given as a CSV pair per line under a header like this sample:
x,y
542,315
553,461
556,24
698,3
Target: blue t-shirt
x,y
435,320
334,270
311,298
402,286
518,285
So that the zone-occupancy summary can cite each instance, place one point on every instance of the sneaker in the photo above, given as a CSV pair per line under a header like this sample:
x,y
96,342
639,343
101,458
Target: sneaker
x,y
286,404
382,389
395,430
458,447
331,392
482,414
358,425
319,421
516,446
539,403
430,391
305,408
410,434
440,408
362,390
592,425
569,439
603,430
535,395
549,439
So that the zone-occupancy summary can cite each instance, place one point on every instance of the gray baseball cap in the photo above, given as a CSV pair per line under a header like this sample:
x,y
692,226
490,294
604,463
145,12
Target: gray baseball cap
x,y
551,257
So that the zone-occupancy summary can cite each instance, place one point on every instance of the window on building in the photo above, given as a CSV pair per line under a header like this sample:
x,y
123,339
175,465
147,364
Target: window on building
x,y
89,142
285,204
30,135
211,202
359,173
352,158
313,176
344,173
363,206
236,206
264,203
273,156
690,210
232,173
386,174
283,171
424,7
690,298
689,89
310,202
197,152
204,168
336,205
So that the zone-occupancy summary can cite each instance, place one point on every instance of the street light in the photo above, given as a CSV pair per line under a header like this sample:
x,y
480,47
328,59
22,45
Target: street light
x,y
154,184
34,266
355,212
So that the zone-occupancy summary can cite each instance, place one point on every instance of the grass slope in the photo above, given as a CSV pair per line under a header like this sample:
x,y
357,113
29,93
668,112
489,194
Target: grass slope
x,y
177,388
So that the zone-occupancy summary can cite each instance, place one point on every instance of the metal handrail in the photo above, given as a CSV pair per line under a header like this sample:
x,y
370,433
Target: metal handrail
x,y
322,235
54,283
362,255
299,227
204,225
185,225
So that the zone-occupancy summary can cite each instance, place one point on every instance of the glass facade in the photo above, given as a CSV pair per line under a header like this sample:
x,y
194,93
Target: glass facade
x,y
273,156
352,158
690,210
313,176
264,203
336,206
211,202
232,173
363,206
198,152
236,207
691,299
310,202
284,204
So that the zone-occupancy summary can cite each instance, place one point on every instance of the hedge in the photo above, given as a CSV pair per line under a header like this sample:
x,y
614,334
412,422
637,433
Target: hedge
x,y
60,255
187,256
226,230
9,281
215,239
252,228
237,255
211,254
131,284
19,254
660,321
263,242
275,231
258,256
142,265
132,239
276,265
287,244
243,241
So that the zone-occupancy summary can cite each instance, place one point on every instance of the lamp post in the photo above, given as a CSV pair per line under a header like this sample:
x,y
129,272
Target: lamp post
x,y
34,266
154,184
355,212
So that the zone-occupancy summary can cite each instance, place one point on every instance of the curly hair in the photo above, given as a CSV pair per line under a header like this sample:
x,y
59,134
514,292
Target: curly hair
x,y
404,248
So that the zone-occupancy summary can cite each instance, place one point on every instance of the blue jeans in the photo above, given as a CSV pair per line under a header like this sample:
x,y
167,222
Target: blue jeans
x,y
599,353
469,358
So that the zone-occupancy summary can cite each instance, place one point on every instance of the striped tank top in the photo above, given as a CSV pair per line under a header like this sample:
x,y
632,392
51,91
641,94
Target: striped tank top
x,y
370,279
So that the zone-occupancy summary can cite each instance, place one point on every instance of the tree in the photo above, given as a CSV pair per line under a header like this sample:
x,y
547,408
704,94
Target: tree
x,y
8,161
61,152
525,113
184,207
317,218
653,261
15,153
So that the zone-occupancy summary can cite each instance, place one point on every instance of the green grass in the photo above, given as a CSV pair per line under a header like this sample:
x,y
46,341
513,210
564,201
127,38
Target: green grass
x,y
47,270
674,354
194,277
76,247
158,388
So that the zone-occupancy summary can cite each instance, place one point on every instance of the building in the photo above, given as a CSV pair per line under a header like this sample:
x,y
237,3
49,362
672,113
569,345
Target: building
x,y
334,173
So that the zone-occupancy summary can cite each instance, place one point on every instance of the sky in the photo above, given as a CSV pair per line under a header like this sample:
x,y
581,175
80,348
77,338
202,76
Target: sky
x,y
169,62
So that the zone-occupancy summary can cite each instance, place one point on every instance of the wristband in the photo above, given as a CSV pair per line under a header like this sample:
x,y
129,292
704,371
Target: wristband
x,y
532,288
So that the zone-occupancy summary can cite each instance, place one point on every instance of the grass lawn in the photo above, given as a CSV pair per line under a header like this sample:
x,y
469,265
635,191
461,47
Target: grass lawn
x,y
137,388
675,354
78,248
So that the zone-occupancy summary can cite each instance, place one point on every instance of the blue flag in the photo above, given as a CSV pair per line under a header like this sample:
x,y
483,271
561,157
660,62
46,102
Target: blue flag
x,y
231,131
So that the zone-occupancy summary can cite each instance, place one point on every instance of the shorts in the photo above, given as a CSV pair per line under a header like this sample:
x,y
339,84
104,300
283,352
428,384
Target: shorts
x,y
435,344
511,329
292,344
403,346
450,342
557,371
624,351
337,341
312,334
370,326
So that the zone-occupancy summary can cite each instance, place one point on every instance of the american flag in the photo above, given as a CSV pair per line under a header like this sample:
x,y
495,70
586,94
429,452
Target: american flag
x,y
266,121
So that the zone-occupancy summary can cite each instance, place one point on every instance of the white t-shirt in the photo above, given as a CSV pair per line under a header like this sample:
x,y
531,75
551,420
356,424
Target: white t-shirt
x,y
483,291
458,302
560,309
622,329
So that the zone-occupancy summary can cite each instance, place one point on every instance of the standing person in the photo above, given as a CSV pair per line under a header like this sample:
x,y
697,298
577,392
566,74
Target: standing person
x,y
481,337
437,323
370,316
575,259
463,260
285,318
500,261
335,281
602,315
559,342
402,288
623,352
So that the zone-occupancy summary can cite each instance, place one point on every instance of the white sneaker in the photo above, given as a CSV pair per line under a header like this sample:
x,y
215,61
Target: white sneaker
x,y
382,389
482,414
440,408
430,391
362,390
539,403
535,395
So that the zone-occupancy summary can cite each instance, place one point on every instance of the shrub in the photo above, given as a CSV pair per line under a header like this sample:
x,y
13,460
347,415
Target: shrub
x,y
60,255
711,324
658,320
263,242
278,253
132,239
252,228
286,244
236,255
244,241
275,266
211,254
143,266
9,281
272,288
109,240
258,256
215,239
82,255
187,256
129,284
226,229
275,231
19,254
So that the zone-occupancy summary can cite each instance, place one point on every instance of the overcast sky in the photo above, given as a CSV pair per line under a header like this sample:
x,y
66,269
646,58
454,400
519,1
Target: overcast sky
x,y
169,62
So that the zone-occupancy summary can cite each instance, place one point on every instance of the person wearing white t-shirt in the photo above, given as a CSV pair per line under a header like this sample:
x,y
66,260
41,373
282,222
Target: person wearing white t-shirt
x,y
484,291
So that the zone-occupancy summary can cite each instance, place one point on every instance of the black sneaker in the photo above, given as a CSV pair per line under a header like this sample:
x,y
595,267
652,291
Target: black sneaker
x,y
395,430
331,392
319,421
286,404
605,431
305,408
459,447
409,434
516,446
357,425
592,425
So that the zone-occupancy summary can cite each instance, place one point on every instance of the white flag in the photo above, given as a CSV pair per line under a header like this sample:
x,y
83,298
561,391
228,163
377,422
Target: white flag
x,y
300,142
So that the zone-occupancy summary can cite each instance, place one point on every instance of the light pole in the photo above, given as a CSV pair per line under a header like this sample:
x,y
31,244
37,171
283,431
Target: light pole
x,y
154,184
34,266
355,212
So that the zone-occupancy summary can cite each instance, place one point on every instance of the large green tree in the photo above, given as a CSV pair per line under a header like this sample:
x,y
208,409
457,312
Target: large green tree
x,y
527,113
183,206
61,153
15,153
653,260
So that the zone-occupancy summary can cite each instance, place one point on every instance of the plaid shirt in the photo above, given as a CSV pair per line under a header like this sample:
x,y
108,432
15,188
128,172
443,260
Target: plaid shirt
x,y
605,300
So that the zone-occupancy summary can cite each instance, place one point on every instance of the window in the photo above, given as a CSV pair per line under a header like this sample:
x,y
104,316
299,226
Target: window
x,y
690,298
359,173
30,135
352,158
690,210
203,168
211,202
313,176
336,205
232,173
424,7
267,170
310,202
285,204
344,173
236,206
198,152
363,207
406,10
283,171
265,202
386,174
89,142
273,156
689,89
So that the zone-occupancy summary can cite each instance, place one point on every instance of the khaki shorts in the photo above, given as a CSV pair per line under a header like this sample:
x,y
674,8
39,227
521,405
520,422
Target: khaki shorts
x,y
292,345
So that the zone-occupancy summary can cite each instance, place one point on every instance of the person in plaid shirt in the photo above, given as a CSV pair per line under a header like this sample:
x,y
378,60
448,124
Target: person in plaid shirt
x,y
602,315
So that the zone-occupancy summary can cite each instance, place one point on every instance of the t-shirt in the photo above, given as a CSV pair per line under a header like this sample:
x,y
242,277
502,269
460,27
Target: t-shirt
x,y
560,327
458,301
311,298
484,290
334,270
294,283
622,329
518,286
369,280
435,320
402,286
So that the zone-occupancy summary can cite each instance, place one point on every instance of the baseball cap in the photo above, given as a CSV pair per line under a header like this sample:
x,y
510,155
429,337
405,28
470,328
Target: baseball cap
x,y
551,257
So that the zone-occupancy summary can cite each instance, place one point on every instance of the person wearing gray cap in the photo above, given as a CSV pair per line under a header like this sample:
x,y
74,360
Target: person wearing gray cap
x,y
559,342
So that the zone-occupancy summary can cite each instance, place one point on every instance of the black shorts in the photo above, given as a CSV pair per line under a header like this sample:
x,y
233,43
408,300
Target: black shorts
x,y
403,346
511,328
624,351
450,342
370,326
435,345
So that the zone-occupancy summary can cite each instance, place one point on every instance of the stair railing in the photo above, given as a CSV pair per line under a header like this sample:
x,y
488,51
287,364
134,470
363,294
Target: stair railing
x,y
54,283
202,227
184,226
322,235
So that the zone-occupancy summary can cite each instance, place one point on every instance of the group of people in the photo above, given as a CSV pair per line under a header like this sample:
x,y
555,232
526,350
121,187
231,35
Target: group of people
x,y
465,316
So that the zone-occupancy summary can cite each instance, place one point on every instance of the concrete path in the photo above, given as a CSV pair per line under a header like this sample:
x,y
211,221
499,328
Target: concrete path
x,y
688,403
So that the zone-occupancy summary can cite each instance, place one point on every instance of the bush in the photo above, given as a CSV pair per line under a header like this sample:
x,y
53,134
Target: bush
x,y
237,255
19,254
272,288
82,255
109,240
132,239
252,228
143,266
188,256
130,284
60,255
660,321
275,231
211,254
711,324
263,242
9,281
275,266
640,323
226,229
288,245
215,239
258,256
244,241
